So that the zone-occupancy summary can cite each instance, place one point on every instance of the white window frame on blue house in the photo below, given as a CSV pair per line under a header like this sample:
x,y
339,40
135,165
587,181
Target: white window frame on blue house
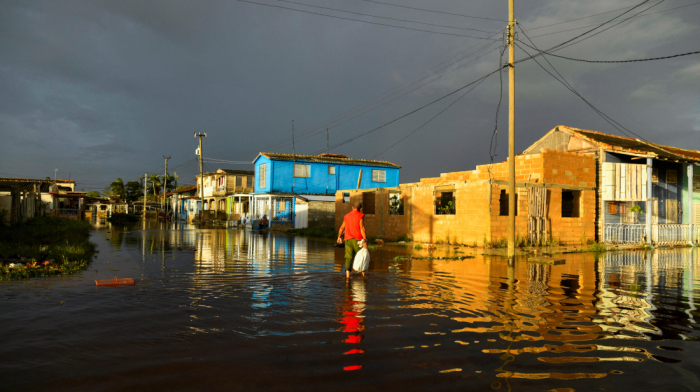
x,y
302,171
331,170
378,175
263,175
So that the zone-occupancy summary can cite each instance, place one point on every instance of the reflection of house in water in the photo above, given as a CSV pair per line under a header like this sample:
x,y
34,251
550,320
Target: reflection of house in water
x,y
642,292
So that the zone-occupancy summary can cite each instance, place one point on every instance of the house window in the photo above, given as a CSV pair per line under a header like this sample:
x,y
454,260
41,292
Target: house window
x,y
378,175
503,203
368,203
263,175
671,177
331,170
346,198
239,181
395,203
445,203
303,171
249,182
570,204
655,174
281,206
617,208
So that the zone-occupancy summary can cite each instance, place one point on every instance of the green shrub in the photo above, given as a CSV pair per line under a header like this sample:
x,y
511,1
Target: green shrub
x,y
404,238
65,241
418,247
122,218
596,247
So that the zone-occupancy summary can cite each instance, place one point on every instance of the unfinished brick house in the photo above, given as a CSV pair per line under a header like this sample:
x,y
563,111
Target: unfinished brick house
x,y
557,179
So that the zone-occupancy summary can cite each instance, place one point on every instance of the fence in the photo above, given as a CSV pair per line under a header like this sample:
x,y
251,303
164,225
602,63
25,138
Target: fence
x,y
620,233
662,234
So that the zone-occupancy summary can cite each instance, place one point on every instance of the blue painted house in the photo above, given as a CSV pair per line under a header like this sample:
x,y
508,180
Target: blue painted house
x,y
287,186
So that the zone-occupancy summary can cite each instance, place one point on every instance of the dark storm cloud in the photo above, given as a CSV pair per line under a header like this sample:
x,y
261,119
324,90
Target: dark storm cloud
x,y
103,89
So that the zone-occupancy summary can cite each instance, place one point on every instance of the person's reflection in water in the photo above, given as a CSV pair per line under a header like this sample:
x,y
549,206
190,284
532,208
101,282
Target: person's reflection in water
x,y
352,306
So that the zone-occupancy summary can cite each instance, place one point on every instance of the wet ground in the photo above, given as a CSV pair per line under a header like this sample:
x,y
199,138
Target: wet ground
x,y
217,309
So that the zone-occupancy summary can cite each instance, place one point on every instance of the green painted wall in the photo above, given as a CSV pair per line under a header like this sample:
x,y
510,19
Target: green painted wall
x,y
696,195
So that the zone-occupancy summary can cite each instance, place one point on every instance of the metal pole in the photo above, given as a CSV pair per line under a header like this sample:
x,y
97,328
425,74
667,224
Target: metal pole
x,y
201,174
650,204
511,129
294,158
165,181
145,189
328,142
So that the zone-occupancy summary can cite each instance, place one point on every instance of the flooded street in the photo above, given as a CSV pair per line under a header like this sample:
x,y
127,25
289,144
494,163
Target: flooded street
x,y
228,309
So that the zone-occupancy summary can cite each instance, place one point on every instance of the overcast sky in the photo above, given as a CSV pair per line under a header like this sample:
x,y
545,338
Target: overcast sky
x,y
105,89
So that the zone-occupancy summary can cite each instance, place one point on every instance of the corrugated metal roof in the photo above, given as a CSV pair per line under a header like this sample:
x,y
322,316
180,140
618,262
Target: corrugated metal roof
x,y
327,159
630,145
26,184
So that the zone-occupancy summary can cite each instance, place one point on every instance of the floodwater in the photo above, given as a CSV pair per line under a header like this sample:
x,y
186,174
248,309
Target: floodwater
x,y
218,309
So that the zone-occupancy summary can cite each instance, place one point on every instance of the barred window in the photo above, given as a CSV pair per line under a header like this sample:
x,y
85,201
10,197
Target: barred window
x,y
617,208
378,175
303,171
263,175
671,177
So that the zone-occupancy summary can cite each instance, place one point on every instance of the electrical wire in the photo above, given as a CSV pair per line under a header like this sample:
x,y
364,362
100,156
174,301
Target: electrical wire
x,y
614,61
385,17
387,94
431,119
563,81
357,20
593,25
434,11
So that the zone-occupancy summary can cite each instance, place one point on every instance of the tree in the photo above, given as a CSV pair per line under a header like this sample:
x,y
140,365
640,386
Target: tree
x,y
117,189
133,190
154,184
93,194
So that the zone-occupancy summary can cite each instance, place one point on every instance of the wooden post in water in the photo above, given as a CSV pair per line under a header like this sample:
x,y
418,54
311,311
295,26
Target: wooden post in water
x,y
145,188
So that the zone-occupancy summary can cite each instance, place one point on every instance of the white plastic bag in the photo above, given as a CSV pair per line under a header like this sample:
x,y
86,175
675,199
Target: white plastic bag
x,y
361,262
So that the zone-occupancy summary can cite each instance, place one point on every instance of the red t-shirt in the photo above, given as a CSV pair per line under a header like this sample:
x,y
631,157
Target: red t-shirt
x,y
352,225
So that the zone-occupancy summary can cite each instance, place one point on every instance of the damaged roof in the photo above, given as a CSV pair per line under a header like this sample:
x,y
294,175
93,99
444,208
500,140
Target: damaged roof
x,y
623,144
327,158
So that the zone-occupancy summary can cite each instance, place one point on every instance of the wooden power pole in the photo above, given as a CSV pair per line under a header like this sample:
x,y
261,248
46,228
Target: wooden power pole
x,y
201,174
165,181
511,129
145,189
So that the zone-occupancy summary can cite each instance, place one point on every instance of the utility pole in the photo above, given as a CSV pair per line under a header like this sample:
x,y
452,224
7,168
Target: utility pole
x,y
511,129
294,159
201,174
145,189
165,181
55,171
328,142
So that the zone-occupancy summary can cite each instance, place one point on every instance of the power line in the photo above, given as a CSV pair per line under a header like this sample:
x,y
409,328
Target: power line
x,y
434,11
385,17
569,42
413,111
594,25
573,20
382,97
614,61
357,20
563,81
431,119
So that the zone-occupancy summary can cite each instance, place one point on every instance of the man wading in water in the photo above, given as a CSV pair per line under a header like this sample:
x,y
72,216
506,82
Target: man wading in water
x,y
354,226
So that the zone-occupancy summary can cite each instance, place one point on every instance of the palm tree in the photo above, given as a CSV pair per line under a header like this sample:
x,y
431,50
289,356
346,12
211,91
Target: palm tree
x,y
117,189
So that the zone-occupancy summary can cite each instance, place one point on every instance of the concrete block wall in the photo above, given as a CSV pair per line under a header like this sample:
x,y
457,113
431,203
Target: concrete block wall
x,y
477,219
380,224
321,214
